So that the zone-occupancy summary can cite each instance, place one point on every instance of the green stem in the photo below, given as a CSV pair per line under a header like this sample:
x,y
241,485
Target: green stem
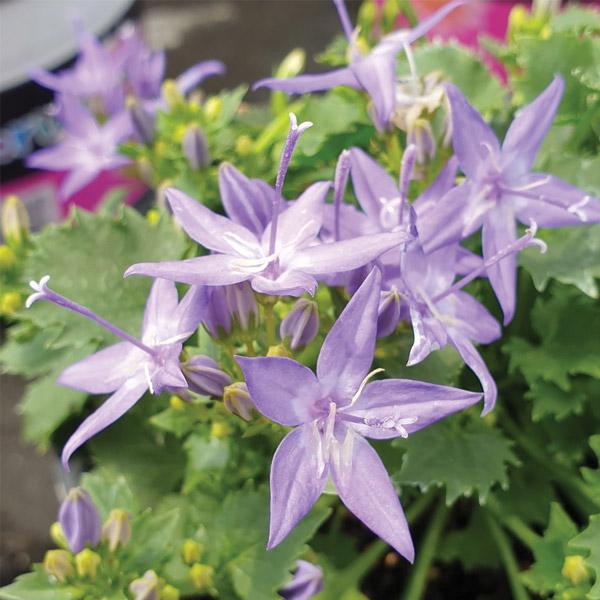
x,y
417,581
270,324
514,524
572,485
507,557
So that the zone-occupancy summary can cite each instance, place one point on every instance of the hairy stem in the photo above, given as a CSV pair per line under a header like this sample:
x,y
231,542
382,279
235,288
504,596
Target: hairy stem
x,y
417,581
507,557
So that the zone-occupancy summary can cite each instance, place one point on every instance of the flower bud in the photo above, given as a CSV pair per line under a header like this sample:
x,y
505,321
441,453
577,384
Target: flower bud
x,y
421,136
176,403
219,430
169,593
15,220
213,107
306,583
79,520
301,324
170,93
574,569
146,587
191,551
142,121
279,350
10,303
291,65
204,376
195,147
244,145
390,305
8,258
58,564
117,528
237,400
241,302
202,576
57,536
86,563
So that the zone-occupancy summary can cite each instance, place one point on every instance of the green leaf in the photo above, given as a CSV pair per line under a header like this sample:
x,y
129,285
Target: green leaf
x,y
576,18
205,458
550,551
466,460
589,539
109,490
86,259
177,422
550,400
36,586
592,476
463,68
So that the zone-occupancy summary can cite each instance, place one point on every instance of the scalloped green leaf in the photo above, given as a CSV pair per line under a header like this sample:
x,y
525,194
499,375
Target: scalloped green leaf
x,y
589,539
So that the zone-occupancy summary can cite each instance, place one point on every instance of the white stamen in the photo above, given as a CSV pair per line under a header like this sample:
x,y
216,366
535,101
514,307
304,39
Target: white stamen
x,y
363,383
148,378
241,246
576,208
317,441
174,339
392,423
249,265
533,185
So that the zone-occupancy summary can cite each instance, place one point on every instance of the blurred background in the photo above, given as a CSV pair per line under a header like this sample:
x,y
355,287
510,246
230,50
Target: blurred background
x,y
249,36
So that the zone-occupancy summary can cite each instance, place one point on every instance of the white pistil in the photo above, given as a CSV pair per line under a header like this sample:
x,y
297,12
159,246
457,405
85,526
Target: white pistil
x,y
363,383
39,289
576,208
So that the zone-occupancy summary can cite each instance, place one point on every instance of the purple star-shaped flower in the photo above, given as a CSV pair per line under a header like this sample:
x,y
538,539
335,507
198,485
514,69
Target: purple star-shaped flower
x,y
374,73
129,368
332,413
500,187
86,149
306,583
284,257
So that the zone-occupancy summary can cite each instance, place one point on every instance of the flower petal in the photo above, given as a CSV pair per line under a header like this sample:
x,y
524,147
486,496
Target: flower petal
x,y
529,127
296,482
161,304
209,229
499,231
112,409
470,317
214,269
282,389
371,183
248,202
441,185
197,73
190,311
385,402
289,283
471,135
347,352
365,488
103,372
474,361
304,84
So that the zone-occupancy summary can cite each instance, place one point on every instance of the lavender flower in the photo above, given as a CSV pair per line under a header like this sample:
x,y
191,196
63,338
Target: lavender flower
x,y
306,583
195,147
86,149
79,520
204,377
501,189
374,73
230,303
132,366
285,259
301,324
237,400
331,412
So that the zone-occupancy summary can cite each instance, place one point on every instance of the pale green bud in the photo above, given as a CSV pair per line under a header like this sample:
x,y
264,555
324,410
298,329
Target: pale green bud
x,y
59,564
86,563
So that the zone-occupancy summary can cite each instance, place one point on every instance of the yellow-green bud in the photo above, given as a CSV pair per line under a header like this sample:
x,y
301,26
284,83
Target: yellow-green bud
x,y
237,401
10,303
171,94
57,535
574,569
279,350
220,430
213,107
292,64
202,576
117,528
169,593
146,587
176,403
86,563
59,564
8,258
153,216
191,551
15,220
243,145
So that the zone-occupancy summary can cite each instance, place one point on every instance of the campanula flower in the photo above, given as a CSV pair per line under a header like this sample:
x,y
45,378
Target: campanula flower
x,y
79,520
301,325
332,412
306,583
87,148
501,189
374,73
285,259
204,377
127,369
